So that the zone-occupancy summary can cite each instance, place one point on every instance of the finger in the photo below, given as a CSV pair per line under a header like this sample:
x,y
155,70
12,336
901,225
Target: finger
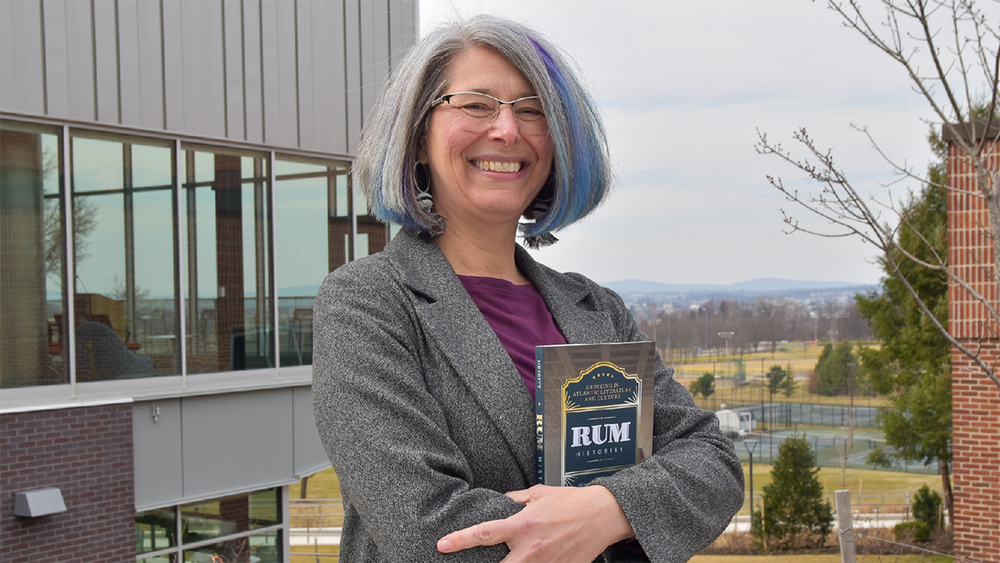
x,y
523,496
487,533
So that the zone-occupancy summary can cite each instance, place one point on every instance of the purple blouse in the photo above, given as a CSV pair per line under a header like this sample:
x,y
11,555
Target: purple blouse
x,y
519,317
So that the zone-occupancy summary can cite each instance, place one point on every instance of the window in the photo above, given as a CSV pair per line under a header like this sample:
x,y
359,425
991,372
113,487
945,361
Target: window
x,y
124,247
244,527
32,266
226,199
185,258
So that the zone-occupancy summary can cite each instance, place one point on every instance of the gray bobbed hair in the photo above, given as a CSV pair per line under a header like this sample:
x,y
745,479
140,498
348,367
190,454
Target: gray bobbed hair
x,y
387,155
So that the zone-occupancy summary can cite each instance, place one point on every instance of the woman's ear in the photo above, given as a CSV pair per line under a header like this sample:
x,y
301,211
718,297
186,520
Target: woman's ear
x,y
422,151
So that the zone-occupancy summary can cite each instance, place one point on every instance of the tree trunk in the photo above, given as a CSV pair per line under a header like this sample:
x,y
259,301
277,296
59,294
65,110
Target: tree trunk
x,y
949,499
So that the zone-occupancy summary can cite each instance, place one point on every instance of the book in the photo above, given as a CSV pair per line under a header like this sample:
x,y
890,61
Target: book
x,y
593,410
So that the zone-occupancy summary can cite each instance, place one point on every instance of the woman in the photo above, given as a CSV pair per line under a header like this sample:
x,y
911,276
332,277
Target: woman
x,y
423,368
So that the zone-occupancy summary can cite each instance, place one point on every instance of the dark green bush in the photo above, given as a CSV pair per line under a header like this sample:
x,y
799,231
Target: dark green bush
x,y
914,530
927,507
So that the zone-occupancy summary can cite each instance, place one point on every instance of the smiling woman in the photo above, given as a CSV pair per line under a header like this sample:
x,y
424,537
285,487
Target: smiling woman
x,y
423,372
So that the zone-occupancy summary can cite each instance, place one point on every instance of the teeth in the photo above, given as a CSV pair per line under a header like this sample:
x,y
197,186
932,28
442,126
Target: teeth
x,y
499,166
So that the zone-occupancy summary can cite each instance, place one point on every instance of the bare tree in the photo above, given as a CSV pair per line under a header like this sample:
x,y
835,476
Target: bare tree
x,y
955,77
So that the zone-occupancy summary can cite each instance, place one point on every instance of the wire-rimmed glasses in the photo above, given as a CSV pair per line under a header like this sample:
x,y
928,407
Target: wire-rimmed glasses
x,y
478,111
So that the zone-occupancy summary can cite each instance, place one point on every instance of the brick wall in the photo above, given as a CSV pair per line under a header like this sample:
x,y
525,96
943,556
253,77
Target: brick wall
x,y
975,398
85,452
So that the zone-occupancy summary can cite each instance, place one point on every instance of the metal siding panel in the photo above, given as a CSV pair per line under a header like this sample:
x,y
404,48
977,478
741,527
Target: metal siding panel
x,y
324,38
367,43
336,103
173,66
106,58
380,50
270,70
402,29
213,97
128,62
232,14
29,82
149,24
305,12
288,122
56,59
8,78
352,55
310,456
157,451
252,80
80,53
237,441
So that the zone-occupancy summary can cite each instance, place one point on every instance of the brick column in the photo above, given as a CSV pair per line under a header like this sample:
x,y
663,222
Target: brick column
x,y
975,398
86,453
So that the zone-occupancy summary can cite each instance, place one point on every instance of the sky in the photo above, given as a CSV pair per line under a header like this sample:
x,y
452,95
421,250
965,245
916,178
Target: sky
x,y
684,87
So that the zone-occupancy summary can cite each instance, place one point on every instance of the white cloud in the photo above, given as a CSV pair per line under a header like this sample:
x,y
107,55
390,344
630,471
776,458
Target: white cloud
x,y
684,87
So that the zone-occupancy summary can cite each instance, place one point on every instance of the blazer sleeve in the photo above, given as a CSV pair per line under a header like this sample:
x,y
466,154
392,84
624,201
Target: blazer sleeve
x,y
683,496
385,433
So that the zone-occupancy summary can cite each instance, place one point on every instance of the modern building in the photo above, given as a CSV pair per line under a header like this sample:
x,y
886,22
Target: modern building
x,y
975,398
173,189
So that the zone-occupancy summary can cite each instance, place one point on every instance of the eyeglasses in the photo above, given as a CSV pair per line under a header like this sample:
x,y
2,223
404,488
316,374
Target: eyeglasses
x,y
479,111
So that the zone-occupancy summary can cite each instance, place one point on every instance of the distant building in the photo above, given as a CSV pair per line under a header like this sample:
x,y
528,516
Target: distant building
x,y
173,189
975,399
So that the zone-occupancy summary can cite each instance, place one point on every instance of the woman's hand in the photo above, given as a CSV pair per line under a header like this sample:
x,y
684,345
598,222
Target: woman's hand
x,y
557,524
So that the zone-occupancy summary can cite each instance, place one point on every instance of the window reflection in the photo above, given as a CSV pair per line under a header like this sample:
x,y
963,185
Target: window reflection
x,y
128,221
228,288
125,304
32,263
208,529
155,530
312,218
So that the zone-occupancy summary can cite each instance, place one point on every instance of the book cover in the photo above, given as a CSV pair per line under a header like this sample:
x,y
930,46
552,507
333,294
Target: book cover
x,y
593,409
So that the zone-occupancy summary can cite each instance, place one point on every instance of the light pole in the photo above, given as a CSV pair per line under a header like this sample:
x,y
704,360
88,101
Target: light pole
x,y
750,445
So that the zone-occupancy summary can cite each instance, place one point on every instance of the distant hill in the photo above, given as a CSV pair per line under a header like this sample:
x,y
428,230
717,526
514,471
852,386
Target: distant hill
x,y
764,285
809,292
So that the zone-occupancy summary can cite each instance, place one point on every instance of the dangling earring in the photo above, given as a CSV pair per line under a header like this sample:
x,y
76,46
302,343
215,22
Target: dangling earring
x,y
537,209
422,187
421,181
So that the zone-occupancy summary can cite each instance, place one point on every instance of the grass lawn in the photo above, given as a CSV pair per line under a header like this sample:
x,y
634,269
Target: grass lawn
x,y
801,356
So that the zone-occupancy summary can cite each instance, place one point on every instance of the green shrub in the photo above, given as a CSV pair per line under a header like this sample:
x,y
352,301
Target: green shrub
x,y
795,514
927,507
914,530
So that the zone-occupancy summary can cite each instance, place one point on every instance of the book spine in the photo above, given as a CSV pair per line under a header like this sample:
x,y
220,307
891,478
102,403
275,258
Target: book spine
x,y
539,415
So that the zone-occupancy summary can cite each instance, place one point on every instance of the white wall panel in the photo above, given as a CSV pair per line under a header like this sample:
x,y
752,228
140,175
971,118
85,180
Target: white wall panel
x,y
156,448
269,69
173,67
150,53
106,62
80,58
307,75
237,441
310,456
56,58
128,63
287,70
334,108
284,73
253,80
352,71
232,21
28,65
8,78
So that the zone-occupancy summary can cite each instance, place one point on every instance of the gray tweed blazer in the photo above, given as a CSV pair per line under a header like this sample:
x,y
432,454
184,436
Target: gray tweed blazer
x,y
427,422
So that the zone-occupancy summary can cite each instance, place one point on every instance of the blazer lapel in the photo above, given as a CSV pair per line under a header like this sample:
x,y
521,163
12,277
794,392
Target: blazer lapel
x,y
452,321
567,299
